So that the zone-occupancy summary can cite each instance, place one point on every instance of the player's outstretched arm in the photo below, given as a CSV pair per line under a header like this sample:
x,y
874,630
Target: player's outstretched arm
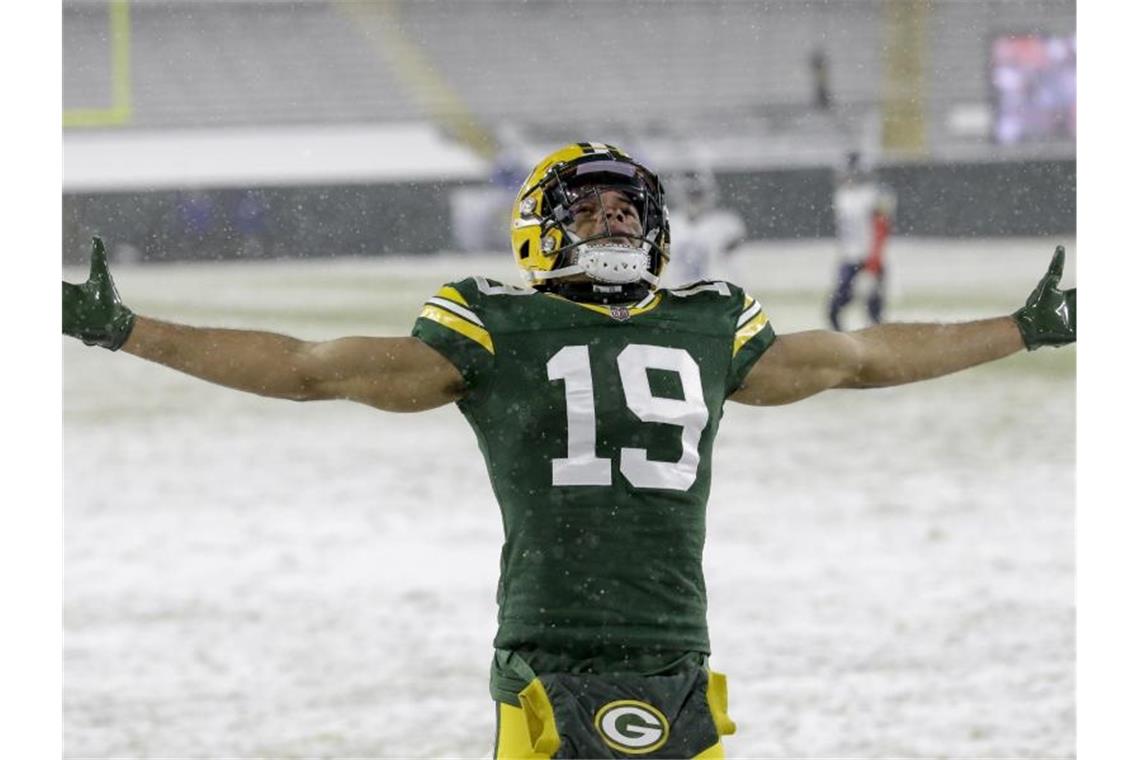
x,y
395,374
802,364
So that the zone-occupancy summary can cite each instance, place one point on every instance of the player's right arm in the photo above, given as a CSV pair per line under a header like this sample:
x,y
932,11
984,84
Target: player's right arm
x,y
394,374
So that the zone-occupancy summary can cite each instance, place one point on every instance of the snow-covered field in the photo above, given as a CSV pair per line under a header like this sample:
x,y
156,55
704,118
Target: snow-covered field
x,y
890,572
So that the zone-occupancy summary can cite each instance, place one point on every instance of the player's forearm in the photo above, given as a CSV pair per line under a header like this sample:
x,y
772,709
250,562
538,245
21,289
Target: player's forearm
x,y
894,354
257,362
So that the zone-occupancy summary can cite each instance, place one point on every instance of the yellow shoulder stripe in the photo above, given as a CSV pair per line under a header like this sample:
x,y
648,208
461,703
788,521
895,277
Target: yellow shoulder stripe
x,y
459,325
754,325
451,294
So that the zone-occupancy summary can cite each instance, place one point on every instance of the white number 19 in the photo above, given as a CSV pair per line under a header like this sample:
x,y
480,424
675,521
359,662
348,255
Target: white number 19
x,y
581,466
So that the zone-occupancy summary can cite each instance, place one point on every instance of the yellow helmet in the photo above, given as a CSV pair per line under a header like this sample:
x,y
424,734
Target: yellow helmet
x,y
547,250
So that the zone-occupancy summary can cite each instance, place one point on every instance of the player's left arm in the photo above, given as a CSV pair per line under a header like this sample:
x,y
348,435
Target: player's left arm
x,y
802,364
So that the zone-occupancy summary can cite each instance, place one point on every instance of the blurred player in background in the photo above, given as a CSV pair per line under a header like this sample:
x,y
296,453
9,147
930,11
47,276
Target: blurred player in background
x,y
864,211
703,235
595,395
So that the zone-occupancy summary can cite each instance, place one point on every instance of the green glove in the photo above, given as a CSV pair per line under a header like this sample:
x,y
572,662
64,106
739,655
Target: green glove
x,y
92,311
1049,316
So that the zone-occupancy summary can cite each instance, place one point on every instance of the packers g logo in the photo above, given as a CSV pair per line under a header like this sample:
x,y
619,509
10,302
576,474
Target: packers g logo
x,y
631,727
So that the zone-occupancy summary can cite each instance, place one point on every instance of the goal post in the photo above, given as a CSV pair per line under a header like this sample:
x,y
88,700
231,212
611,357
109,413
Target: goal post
x,y
119,111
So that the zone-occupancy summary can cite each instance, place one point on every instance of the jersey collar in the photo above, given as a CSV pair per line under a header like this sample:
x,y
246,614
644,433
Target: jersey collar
x,y
620,312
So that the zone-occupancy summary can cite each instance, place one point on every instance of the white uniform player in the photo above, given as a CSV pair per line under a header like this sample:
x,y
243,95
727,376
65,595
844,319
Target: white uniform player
x,y
864,210
854,205
702,235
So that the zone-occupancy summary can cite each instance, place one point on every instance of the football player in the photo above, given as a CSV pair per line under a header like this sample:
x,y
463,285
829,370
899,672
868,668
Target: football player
x,y
864,212
703,235
595,396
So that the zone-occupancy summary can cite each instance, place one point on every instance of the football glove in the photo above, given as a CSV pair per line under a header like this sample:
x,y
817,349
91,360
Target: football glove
x,y
1049,316
92,311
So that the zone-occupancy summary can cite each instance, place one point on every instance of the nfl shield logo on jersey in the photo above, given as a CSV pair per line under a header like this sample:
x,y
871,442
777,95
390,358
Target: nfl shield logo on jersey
x,y
620,313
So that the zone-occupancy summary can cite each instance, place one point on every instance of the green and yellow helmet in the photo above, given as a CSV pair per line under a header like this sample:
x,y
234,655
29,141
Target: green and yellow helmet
x,y
547,250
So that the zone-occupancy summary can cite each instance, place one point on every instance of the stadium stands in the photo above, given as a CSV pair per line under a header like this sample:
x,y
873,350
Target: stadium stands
x,y
709,66
200,64
358,122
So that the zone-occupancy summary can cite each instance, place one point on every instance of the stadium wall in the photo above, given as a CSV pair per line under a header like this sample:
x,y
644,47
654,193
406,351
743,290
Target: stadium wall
x,y
991,199
256,223
935,200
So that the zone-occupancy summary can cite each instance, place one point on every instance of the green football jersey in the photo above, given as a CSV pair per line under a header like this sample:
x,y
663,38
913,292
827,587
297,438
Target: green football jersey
x,y
597,426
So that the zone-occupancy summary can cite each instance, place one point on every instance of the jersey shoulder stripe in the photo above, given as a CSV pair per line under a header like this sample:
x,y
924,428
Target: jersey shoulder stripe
x,y
751,309
752,320
753,335
450,293
455,323
748,331
702,286
449,305
449,308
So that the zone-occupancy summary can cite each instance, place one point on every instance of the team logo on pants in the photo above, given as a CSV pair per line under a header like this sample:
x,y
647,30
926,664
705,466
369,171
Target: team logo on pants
x,y
632,727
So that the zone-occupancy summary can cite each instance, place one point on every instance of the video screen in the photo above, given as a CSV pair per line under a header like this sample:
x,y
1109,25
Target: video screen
x,y
1034,80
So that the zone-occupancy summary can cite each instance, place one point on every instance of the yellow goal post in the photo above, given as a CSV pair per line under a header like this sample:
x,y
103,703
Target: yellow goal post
x,y
118,112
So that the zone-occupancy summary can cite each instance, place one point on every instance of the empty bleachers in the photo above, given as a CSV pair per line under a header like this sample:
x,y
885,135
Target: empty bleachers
x,y
662,67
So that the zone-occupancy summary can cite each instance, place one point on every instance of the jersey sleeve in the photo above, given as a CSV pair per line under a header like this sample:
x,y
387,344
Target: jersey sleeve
x,y
754,335
450,324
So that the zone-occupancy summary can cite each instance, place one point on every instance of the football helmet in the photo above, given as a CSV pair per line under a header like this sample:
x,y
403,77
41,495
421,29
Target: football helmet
x,y
615,265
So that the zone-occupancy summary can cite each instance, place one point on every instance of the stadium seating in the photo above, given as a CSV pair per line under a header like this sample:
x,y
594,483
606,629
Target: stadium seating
x,y
687,66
